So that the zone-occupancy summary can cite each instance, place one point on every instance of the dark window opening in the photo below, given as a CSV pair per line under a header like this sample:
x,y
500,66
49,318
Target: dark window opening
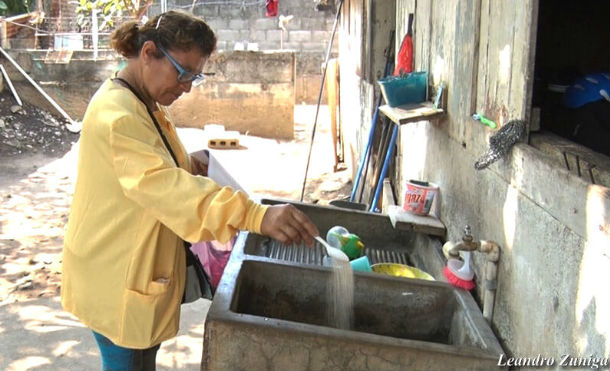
x,y
572,61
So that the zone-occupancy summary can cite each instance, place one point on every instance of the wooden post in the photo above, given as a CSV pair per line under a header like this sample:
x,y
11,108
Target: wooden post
x,y
4,35
332,91
94,34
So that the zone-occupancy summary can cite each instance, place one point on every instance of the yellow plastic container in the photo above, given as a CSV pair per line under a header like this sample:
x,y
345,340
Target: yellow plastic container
x,y
401,270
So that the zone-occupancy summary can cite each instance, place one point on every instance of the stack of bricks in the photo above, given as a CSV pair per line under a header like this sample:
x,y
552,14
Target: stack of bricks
x,y
10,28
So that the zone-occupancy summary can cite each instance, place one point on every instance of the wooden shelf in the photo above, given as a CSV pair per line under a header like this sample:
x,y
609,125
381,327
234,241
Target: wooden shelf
x,y
428,224
407,113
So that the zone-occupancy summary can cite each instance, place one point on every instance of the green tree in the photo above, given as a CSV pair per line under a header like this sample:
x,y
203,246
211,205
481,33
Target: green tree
x,y
107,10
13,7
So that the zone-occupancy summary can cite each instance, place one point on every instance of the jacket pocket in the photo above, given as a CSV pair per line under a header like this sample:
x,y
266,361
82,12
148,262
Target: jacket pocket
x,y
148,319
158,286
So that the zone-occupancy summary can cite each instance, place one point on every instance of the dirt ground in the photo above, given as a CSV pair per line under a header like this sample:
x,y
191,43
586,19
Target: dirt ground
x,y
34,199
38,169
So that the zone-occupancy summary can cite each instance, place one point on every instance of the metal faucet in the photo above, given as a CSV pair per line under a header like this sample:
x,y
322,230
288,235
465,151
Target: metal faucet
x,y
452,249
491,249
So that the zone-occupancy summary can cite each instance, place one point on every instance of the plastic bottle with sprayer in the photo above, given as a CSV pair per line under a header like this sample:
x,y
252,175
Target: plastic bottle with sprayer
x,y
339,237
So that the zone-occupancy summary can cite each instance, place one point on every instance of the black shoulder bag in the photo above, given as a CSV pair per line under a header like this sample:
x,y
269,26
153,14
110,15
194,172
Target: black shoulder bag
x,y
197,282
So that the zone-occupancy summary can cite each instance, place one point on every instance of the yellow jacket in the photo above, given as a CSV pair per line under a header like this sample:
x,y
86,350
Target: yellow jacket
x,y
123,261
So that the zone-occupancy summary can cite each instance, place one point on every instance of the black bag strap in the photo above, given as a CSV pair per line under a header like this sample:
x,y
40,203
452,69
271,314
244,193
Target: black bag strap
x,y
152,116
191,259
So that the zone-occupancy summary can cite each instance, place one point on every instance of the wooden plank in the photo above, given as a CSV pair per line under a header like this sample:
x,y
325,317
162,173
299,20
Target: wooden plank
x,y
332,93
422,29
61,56
387,196
506,59
522,79
403,8
428,224
4,41
464,80
384,19
483,62
355,35
407,113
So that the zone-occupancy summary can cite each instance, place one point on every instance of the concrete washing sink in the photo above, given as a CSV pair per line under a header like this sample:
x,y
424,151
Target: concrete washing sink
x,y
271,310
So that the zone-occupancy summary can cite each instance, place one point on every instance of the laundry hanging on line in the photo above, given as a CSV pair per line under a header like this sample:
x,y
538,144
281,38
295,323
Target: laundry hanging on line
x,y
272,8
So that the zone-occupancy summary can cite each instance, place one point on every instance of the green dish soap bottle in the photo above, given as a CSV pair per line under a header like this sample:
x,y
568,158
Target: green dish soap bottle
x,y
352,246
347,242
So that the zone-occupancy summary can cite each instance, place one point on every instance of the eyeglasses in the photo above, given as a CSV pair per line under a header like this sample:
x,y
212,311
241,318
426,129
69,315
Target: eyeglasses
x,y
183,75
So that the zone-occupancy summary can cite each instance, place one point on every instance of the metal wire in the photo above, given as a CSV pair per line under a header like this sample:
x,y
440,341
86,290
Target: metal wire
x,y
241,4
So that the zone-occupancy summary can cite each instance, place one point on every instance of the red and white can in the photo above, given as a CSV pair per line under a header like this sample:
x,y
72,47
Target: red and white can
x,y
419,196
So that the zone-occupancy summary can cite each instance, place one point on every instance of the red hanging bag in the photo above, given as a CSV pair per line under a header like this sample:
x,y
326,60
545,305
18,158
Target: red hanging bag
x,y
271,8
404,60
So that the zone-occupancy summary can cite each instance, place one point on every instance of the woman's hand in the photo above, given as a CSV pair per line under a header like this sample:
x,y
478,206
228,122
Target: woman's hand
x,y
288,224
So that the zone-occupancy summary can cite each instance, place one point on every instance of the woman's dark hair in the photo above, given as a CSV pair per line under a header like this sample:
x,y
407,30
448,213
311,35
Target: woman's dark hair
x,y
171,30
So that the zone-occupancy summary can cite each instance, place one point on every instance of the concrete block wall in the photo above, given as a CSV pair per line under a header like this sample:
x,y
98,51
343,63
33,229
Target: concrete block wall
x,y
308,31
251,91
308,34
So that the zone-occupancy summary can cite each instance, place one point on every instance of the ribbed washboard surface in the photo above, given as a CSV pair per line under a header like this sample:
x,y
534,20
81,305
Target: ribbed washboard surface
x,y
306,255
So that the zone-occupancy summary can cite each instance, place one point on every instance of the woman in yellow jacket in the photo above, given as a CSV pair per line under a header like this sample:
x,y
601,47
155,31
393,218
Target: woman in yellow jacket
x,y
135,199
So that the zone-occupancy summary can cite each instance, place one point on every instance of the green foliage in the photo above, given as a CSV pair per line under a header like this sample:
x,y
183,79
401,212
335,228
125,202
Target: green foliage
x,y
106,11
13,7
